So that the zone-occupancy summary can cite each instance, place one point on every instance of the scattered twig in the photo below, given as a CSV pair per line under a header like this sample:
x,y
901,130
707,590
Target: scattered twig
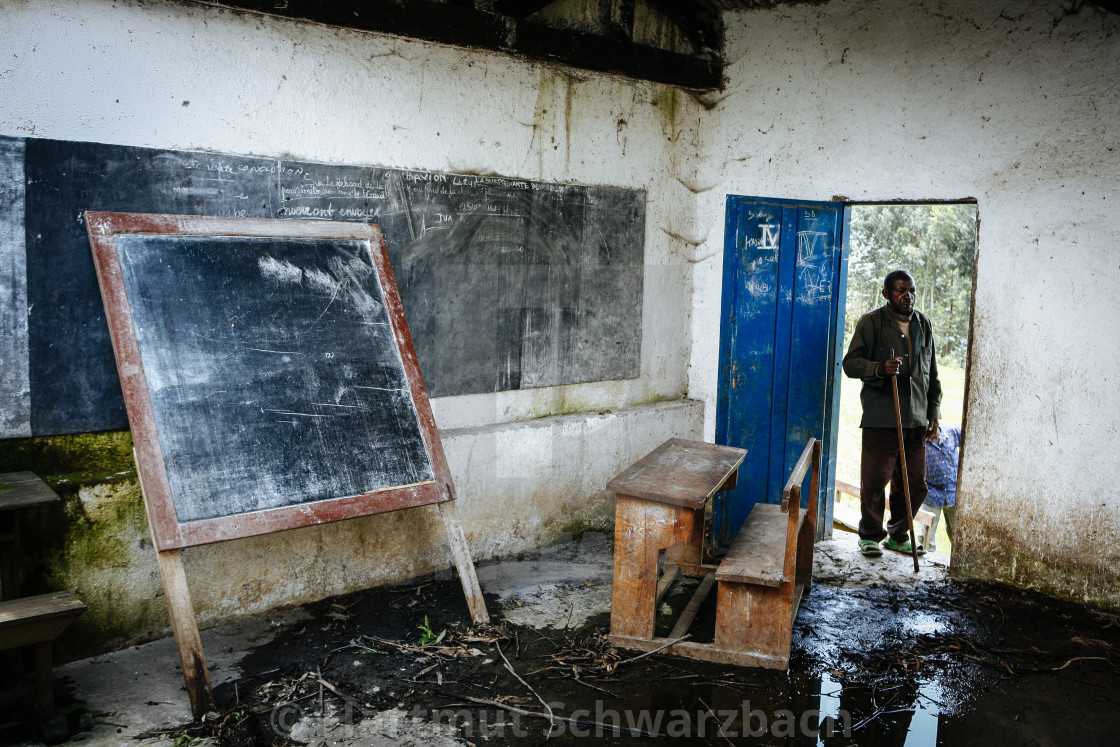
x,y
600,689
653,651
323,683
425,670
879,710
1076,658
719,724
401,646
547,707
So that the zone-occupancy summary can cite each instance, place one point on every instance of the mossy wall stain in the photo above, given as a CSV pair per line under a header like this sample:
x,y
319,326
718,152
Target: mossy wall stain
x,y
667,101
553,113
600,521
96,543
581,399
67,461
988,552
544,114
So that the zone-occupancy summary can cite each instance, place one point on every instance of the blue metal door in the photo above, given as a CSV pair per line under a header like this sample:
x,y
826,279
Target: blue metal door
x,y
782,323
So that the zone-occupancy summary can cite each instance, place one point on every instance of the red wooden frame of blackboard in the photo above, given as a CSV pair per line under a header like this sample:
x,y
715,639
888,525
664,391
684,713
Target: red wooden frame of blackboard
x,y
168,532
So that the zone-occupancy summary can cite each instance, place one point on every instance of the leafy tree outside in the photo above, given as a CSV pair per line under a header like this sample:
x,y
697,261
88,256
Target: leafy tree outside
x,y
936,245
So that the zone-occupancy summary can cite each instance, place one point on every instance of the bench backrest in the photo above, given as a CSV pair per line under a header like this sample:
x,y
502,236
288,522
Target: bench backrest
x,y
811,454
791,502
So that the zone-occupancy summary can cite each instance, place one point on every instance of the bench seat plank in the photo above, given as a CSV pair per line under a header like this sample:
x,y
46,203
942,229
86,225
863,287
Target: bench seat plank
x,y
758,553
22,489
38,619
42,607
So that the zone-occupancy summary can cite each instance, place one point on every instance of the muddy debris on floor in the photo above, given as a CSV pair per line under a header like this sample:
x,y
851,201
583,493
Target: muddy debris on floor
x,y
939,662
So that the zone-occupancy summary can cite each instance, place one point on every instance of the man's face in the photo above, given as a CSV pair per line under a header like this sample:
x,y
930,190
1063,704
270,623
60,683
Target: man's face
x,y
900,295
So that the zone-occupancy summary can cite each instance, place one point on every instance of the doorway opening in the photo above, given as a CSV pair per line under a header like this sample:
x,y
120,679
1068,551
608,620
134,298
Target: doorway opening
x,y
936,244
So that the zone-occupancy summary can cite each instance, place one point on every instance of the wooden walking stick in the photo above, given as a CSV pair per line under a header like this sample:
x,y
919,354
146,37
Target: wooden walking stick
x,y
905,477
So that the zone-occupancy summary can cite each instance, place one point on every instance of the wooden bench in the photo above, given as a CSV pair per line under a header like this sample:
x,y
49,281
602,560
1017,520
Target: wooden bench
x,y
760,581
37,621
18,491
767,570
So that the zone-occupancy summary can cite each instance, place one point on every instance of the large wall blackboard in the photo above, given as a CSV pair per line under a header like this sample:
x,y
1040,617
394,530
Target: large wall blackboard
x,y
506,284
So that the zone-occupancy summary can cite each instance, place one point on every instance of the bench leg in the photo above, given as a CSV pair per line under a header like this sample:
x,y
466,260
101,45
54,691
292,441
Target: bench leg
x,y
805,545
44,686
756,619
9,556
688,557
641,530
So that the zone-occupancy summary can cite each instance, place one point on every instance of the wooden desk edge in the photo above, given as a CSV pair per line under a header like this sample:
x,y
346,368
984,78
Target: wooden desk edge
x,y
618,485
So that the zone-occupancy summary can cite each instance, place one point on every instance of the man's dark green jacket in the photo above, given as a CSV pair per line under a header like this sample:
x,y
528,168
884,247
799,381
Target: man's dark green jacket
x,y
876,334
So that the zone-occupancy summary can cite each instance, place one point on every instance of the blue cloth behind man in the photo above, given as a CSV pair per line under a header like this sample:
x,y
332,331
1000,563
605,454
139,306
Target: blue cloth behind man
x,y
942,459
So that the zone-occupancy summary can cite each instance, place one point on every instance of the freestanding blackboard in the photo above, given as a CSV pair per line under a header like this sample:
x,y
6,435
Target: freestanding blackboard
x,y
269,377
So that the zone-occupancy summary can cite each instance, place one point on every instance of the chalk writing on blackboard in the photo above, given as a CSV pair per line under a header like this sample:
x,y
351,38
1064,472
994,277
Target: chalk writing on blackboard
x,y
506,283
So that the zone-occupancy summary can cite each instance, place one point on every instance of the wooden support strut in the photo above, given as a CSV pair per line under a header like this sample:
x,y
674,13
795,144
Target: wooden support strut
x,y
461,554
184,626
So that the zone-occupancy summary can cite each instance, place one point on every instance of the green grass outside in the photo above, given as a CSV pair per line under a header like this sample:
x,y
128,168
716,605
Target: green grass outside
x,y
848,445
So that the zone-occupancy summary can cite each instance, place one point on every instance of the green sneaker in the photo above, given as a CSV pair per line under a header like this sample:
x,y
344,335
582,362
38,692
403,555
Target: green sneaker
x,y
870,548
902,547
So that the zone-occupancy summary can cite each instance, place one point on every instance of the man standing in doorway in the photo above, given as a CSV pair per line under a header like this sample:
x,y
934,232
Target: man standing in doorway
x,y
900,328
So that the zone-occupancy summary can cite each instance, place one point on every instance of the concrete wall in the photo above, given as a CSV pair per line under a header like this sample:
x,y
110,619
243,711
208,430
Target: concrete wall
x,y
529,465
1012,103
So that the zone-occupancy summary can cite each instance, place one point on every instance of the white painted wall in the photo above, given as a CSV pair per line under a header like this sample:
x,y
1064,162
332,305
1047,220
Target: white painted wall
x,y
1015,104
1011,103
198,77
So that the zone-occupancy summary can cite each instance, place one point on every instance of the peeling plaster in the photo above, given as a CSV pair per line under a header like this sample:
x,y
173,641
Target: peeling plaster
x,y
1015,104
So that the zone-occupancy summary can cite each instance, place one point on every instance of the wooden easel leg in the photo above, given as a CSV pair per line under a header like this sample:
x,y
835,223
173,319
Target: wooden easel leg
x,y
185,627
461,554
183,623
44,687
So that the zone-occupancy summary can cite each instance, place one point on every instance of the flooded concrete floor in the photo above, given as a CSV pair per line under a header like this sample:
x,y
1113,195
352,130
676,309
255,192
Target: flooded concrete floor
x,y
881,656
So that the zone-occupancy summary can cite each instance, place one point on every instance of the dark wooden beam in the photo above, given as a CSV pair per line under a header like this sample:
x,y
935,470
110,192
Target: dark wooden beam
x,y
520,8
620,19
703,27
465,26
421,19
611,55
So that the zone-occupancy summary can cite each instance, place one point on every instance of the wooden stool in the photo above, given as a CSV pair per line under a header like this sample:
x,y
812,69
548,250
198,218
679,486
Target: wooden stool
x,y
37,621
659,505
